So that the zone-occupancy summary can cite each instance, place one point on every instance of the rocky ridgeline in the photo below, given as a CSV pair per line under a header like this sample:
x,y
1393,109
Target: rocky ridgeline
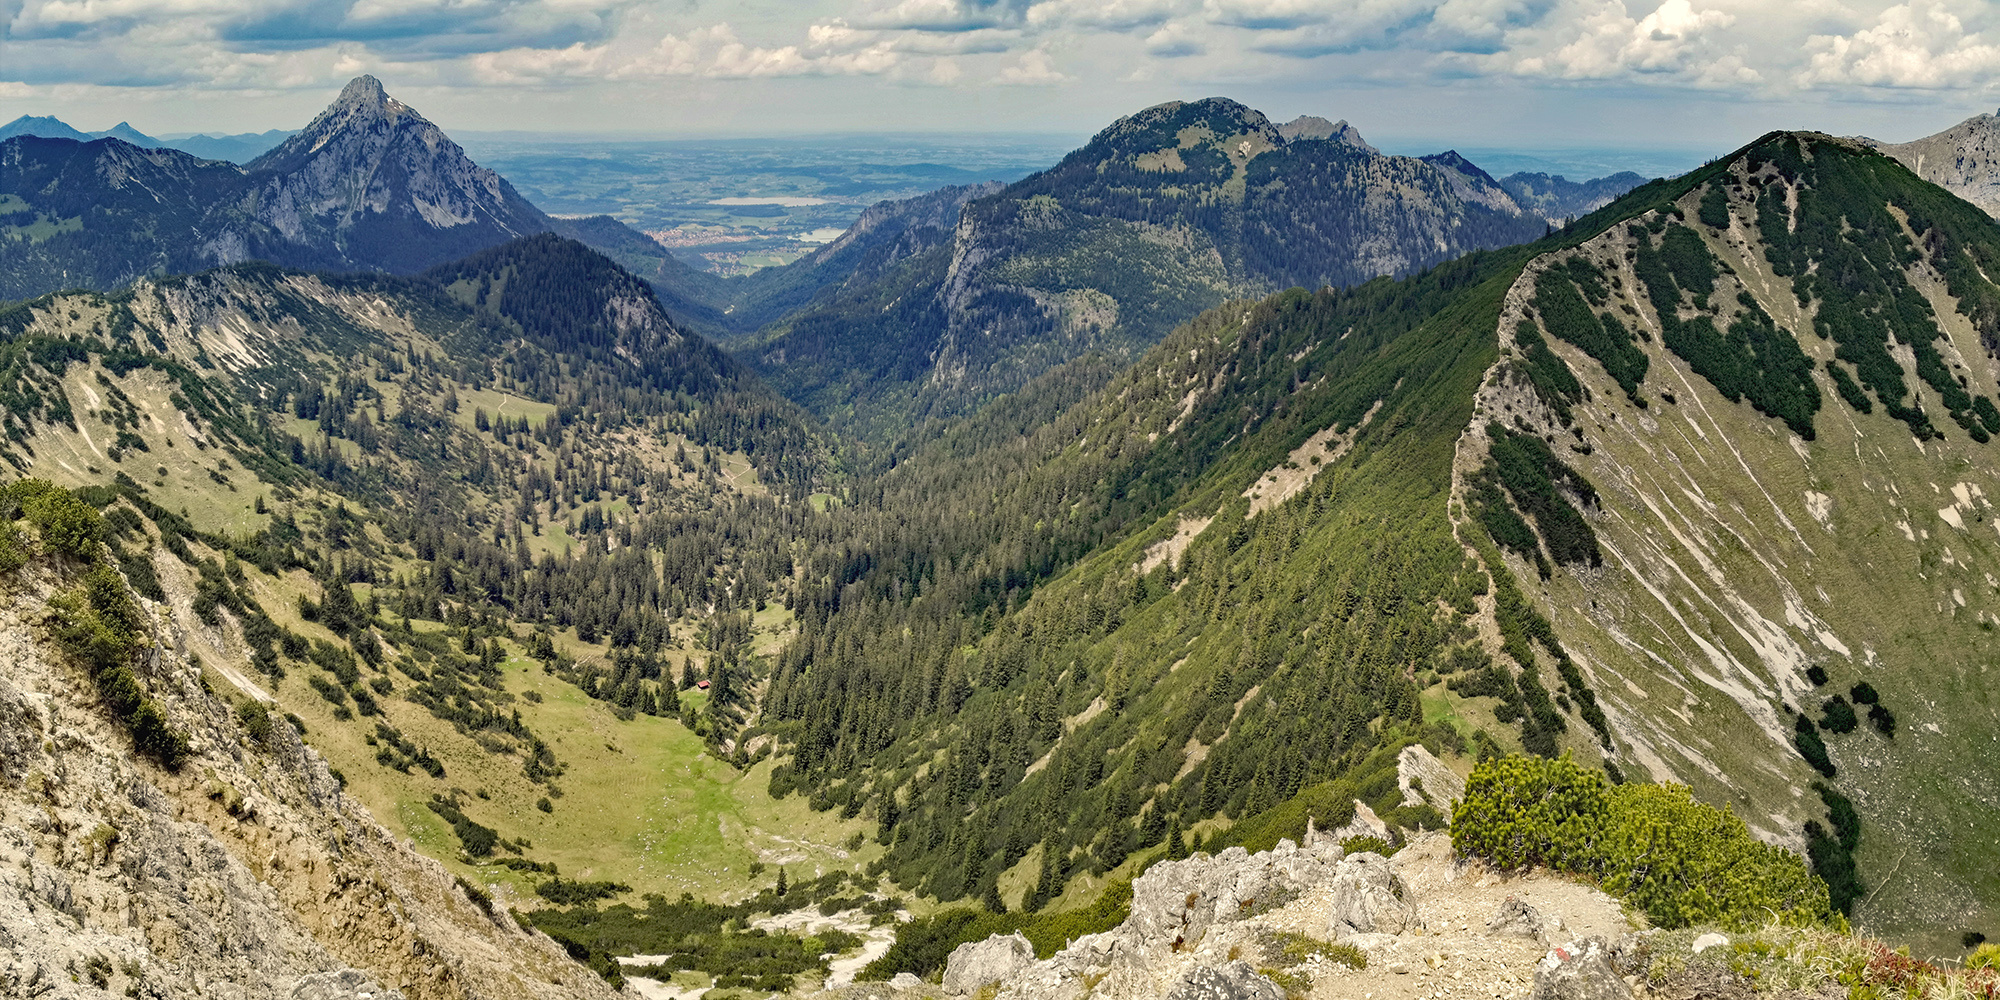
x,y
247,874
1316,921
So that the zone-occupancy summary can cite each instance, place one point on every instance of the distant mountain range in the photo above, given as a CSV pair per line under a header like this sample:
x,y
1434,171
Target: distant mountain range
x,y
926,306
239,148
369,185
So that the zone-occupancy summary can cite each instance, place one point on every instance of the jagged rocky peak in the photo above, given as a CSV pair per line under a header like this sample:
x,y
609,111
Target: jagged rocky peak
x,y
362,107
377,185
1315,127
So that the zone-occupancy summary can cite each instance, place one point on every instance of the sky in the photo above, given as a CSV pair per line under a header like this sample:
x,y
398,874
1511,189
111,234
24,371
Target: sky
x,y
1410,74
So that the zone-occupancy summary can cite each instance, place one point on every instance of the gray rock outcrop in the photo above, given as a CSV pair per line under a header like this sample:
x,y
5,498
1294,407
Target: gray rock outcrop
x,y
1516,918
1425,779
1369,898
1235,981
247,874
347,984
998,959
1174,903
1579,970
1963,159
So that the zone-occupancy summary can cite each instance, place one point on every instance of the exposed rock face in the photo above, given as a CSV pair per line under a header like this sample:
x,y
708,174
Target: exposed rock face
x,y
347,984
1369,898
1963,159
1235,981
1315,127
369,185
1364,824
1175,903
1424,778
248,874
377,185
1208,200
1579,970
1184,940
976,964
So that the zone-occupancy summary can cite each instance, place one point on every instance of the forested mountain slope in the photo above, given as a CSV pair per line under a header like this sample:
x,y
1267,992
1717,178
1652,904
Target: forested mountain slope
x,y
1775,393
443,527
1162,215
1606,493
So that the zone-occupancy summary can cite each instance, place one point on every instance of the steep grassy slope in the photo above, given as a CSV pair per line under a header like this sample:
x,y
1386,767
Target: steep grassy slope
x,y
1063,633
1784,423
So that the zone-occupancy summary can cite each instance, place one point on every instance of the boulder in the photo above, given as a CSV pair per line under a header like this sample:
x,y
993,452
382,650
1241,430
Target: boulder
x,y
346,984
1368,897
997,959
1235,981
905,981
1579,970
1175,902
1516,918
1710,940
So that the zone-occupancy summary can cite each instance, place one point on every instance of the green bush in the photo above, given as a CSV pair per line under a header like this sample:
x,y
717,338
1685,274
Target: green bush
x,y
1686,863
1520,812
97,622
68,525
1678,860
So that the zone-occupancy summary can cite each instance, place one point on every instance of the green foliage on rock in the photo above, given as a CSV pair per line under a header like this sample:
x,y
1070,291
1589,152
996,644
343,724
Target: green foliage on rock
x,y
1551,376
923,945
1679,861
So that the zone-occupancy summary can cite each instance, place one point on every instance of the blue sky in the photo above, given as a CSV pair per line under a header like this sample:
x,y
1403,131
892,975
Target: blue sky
x,y
1694,74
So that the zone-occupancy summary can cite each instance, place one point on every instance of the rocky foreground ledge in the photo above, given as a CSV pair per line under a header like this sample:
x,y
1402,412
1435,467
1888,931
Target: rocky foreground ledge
x,y
1315,921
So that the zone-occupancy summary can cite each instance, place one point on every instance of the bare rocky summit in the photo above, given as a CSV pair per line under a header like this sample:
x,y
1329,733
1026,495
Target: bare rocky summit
x,y
1288,922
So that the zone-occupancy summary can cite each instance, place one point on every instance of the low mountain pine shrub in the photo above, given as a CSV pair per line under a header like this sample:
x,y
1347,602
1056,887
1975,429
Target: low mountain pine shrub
x,y
1680,861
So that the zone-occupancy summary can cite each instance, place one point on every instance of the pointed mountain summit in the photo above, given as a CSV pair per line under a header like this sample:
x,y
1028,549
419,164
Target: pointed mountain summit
x,y
1164,213
381,186
125,131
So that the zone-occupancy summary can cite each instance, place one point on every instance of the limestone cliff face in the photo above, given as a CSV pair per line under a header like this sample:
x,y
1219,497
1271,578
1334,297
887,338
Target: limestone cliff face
x,y
379,185
370,185
239,876
1963,159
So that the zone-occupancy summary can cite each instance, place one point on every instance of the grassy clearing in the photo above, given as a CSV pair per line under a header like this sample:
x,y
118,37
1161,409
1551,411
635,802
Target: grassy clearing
x,y
643,802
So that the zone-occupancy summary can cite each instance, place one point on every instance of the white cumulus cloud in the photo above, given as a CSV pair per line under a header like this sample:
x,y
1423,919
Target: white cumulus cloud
x,y
1919,44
